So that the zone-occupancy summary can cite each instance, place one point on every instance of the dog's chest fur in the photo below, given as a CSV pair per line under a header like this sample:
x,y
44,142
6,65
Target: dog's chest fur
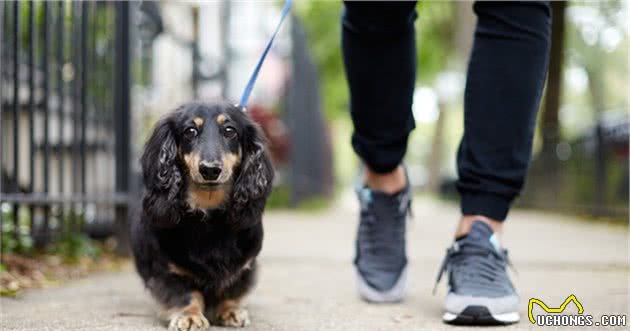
x,y
210,253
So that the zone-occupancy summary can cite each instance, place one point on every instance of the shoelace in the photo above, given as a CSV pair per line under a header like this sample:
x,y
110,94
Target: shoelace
x,y
474,265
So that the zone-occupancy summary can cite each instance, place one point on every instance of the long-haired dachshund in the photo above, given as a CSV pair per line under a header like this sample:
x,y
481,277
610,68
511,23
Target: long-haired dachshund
x,y
207,177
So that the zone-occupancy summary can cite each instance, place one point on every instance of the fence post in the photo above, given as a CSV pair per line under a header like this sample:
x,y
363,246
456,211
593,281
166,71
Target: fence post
x,y
121,123
195,52
2,43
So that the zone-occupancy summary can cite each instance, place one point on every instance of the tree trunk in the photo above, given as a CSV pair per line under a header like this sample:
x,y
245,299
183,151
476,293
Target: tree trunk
x,y
462,40
437,145
550,124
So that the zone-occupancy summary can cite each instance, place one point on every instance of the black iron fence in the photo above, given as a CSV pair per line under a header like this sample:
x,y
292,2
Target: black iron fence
x,y
64,119
588,175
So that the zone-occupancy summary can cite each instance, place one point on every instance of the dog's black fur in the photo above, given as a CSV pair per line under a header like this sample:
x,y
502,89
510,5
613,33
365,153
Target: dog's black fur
x,y
183,245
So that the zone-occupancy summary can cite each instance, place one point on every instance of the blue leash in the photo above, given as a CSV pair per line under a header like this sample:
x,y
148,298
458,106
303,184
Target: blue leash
x,y
252,78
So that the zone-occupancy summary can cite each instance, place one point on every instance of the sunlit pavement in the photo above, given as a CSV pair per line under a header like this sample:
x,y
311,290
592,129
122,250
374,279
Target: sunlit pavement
x,y
306,279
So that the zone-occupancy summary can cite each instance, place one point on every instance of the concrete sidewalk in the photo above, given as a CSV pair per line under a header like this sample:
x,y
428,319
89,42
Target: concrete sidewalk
x,y
306,279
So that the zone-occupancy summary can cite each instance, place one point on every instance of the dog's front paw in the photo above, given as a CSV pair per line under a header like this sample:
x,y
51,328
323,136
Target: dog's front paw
x,y
233,316
188,322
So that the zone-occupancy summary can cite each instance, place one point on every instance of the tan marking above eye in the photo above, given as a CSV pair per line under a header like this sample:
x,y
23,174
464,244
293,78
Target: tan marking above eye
x,y
198,121
221,119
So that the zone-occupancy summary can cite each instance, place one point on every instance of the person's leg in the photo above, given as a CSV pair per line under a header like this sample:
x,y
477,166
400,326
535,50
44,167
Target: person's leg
x,y
379,52
506,74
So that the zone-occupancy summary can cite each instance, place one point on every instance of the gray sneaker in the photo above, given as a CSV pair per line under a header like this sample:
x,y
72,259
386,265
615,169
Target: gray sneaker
x,y
381,260
480,291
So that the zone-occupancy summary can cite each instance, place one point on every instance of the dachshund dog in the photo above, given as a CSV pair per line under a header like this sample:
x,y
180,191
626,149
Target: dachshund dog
x,y
207,177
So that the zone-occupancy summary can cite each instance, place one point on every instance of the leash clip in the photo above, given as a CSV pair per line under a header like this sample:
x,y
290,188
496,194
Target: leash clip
x,y
243,109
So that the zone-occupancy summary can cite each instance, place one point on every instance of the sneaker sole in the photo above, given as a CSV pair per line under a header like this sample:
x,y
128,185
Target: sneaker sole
x,y
395,294
480,315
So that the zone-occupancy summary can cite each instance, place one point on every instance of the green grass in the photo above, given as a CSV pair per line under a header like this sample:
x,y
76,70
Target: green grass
x,y
280,199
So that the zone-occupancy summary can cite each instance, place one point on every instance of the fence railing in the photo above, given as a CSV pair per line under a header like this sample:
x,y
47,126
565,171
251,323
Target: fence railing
x,y
65,113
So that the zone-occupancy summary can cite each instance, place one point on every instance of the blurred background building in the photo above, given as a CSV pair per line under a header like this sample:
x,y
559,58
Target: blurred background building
x,y
82,83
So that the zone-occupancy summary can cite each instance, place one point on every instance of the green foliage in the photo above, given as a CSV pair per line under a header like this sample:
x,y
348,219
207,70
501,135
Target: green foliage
x,y
434,38
8,293
10,243
280,198
72,246
322,21
69,245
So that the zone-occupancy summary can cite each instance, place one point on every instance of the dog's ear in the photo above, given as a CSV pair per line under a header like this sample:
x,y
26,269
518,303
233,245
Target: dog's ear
x,y
162,177
255,178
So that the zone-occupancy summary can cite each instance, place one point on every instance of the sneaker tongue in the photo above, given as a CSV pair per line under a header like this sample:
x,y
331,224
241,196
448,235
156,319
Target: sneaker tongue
x,y
481,232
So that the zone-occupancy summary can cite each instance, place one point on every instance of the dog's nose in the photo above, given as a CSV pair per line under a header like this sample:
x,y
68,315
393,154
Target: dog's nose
x,y
209,171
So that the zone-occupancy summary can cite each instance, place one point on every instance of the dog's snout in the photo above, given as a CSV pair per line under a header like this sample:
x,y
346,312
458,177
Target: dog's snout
x,y
210,171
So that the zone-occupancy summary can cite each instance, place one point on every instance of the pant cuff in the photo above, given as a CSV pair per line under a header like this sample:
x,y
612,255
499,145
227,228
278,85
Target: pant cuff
x,y
489,205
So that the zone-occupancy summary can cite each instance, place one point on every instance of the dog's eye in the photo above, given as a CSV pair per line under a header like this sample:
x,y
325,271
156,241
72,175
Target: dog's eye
x,y
229,132
190,133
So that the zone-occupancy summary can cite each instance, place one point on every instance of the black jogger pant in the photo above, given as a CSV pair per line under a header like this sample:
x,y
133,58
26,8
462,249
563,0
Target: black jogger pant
x,y
506,74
